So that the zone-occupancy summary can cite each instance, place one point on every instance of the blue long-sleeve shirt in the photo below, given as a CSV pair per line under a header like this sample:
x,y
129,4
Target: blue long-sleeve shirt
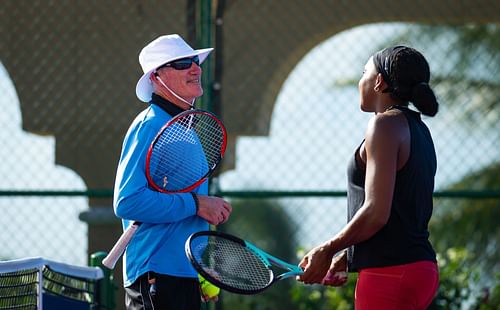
x,y
168,219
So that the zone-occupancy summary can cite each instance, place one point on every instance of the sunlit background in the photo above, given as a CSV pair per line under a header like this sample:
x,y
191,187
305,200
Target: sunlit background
x,y
63,121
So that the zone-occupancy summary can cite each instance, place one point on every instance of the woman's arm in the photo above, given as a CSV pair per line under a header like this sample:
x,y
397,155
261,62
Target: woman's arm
x,y
382,142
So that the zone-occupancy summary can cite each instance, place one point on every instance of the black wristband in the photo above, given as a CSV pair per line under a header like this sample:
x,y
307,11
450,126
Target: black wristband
x,y
196,202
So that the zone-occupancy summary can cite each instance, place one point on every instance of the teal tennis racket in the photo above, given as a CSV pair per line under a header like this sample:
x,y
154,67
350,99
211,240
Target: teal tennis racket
x,y
234,264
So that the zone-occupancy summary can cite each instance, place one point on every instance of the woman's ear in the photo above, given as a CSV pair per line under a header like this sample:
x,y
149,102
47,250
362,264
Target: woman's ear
x,y
380,84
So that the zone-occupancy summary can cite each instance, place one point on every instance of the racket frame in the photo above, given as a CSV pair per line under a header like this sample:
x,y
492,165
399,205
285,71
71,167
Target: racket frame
x,y
268,260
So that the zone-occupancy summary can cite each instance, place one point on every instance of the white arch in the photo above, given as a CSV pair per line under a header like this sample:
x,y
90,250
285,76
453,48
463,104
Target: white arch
x,y
34,226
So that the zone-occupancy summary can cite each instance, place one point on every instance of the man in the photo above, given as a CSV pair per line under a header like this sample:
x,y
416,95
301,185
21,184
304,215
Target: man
x,y
157,273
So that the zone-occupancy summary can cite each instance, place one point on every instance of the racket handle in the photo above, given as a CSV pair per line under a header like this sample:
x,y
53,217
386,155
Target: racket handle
x,y
117,251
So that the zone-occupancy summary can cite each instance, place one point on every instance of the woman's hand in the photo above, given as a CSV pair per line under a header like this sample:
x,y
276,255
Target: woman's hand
x,y
337,274
316,264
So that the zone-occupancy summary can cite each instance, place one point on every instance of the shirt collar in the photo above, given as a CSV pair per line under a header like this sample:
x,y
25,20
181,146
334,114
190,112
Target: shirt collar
x,y
165,105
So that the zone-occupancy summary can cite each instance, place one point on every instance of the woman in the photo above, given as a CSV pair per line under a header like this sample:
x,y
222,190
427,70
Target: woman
x,y
390,186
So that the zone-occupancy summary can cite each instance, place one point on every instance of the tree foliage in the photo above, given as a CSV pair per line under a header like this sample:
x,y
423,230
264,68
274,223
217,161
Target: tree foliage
x,y
466,235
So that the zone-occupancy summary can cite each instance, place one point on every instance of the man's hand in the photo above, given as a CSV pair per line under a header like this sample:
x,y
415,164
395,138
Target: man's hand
x,y
213,209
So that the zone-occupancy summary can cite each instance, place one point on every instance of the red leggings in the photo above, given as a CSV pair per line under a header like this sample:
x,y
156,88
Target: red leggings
x,y
409,286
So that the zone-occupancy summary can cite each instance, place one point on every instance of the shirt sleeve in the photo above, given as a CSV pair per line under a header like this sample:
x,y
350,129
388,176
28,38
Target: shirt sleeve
x,y
133,198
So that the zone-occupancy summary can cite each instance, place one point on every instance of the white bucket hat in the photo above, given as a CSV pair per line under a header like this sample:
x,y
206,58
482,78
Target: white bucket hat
x,y
160,51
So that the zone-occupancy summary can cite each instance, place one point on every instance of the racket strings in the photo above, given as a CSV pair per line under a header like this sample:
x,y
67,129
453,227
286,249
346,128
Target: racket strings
x,y
211,136
232,264
198,137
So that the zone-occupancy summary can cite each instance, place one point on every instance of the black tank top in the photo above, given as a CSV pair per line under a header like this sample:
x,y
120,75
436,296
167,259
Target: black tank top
x,y
404,239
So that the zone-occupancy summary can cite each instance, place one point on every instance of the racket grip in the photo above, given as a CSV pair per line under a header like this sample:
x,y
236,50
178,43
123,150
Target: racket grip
x,y
117,251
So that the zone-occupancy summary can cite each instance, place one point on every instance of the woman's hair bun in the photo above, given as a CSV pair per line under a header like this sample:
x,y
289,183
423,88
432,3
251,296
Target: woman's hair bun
x,y
424,100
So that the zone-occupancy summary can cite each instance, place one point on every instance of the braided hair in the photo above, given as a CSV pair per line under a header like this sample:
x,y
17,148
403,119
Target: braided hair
x,y
407,74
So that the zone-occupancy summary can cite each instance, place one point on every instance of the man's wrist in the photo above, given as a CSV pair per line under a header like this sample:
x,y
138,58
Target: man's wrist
x,y
196,202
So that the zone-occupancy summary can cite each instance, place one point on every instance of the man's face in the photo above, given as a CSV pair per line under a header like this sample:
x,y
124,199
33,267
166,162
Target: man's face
x,y
186,83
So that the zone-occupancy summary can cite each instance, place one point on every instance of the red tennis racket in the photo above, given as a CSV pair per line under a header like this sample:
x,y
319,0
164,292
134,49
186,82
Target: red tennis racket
x,y
182,156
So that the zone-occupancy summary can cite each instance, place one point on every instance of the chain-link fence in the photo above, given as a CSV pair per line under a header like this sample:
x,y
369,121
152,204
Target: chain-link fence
x,y
67,82
316,123
284,79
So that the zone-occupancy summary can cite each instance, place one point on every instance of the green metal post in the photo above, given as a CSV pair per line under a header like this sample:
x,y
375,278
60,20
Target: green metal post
x,y
107,285
204,39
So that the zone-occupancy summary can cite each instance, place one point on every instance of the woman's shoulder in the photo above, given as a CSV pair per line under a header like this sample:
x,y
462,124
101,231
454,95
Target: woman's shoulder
x,y
387,120
391,124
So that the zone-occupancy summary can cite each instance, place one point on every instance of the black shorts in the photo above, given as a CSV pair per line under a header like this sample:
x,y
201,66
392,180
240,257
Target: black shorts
x,y
167,293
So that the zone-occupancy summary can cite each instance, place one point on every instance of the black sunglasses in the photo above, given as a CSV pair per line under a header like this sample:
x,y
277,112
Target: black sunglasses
x,y
182,64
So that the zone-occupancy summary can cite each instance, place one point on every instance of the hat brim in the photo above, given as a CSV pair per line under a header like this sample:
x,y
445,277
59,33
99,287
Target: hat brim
x,y
144,88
